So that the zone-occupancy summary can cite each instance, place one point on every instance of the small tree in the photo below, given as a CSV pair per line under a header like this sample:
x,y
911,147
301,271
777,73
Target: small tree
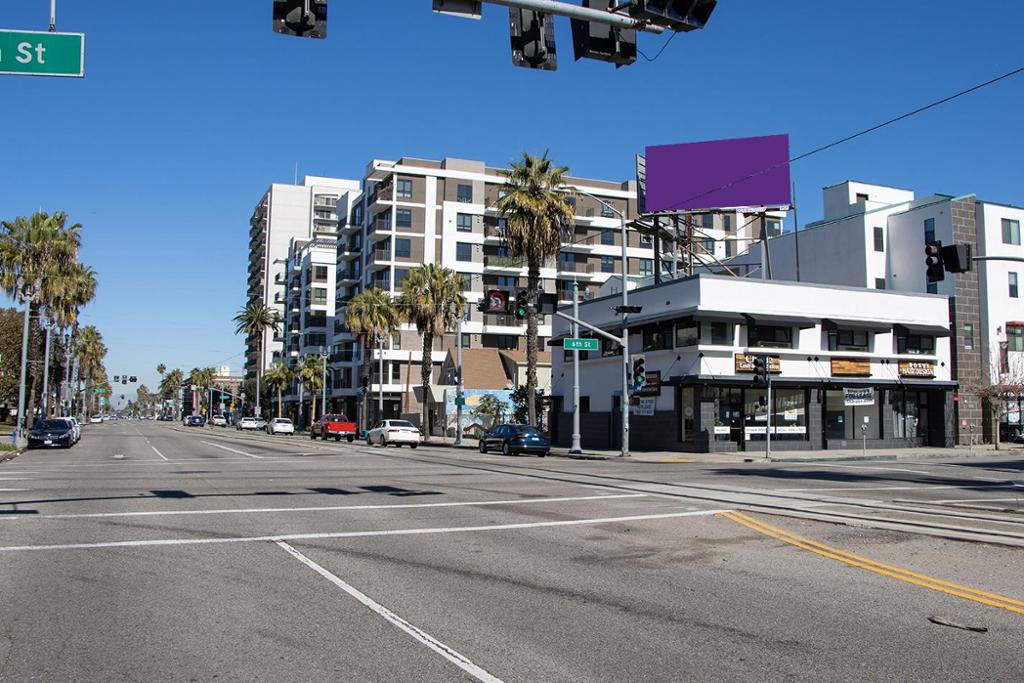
x,y
521,404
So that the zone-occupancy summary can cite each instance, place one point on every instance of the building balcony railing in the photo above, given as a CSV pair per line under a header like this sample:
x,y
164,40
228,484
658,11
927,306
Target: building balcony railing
x,y
503,320
503,262
585,295
381,254
494,231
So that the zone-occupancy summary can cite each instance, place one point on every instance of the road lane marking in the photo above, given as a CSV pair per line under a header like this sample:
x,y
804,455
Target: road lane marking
x,y
358,534
973,500
233,450
868,467
422,636
954,589
394,506
13,490
158,452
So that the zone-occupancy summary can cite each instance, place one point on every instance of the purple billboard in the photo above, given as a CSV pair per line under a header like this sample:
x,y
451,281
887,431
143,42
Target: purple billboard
x,y
718,174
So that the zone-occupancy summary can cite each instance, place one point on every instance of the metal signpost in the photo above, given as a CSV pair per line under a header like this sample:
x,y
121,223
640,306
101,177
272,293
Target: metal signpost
x,y
42,53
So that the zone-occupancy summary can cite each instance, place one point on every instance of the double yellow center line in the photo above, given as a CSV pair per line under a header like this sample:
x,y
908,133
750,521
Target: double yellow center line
x,y
985,598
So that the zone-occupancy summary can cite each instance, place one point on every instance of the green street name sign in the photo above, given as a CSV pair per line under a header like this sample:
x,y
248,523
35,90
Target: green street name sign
x,y
575,344
39,53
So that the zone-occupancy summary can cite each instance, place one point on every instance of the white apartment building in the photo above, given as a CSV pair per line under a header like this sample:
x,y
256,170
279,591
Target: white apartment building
x,y
286,213
874,236
850,366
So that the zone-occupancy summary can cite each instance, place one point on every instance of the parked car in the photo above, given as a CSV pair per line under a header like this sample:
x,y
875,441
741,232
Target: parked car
x,y
247,423
195,421
76,429
512,439
218,421
398,432
96,419
52,433
280,425
333,425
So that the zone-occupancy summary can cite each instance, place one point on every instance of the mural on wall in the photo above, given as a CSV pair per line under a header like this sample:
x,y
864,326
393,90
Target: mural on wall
x,y
473,397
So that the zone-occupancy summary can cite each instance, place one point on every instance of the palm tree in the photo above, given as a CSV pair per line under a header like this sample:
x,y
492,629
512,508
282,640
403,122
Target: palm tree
x,y
170,385
91,351
311,373
432,299
278,377
202,380
370,314
491,406
254,320
538,220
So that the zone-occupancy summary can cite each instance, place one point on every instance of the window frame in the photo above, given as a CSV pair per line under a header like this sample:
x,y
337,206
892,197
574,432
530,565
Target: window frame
x,y
401,193
468,227
460,196
459,247
399,214
408,247
879,237
1011,231
784,332
1013,282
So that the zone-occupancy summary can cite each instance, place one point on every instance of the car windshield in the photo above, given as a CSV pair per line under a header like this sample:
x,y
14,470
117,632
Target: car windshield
x,y
401,423
334,418
283,421
52,424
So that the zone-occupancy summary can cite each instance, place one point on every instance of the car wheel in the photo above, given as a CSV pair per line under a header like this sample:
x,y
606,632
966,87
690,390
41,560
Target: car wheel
x,y
350,438
337,438
368,441
383,443
505,450
482,446
414,445
312,435
542,454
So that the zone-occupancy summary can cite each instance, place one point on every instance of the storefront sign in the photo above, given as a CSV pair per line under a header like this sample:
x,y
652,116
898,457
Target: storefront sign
x,y
723,430
851,367
917,368
745,364
858,397
644,406
775,430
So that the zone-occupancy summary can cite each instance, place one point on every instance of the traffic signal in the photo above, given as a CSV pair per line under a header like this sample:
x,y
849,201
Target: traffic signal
x,y
676,15
117,378
639,372
133,379
934,268
532,35
521,305
956,258
305,18
592,40
760,369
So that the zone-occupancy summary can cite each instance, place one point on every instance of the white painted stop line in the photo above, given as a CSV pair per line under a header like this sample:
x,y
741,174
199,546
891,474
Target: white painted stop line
x,y
233,450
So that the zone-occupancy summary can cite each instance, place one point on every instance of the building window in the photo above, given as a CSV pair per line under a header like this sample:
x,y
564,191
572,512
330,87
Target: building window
x,y
719,334
610,348
727,222
1013,285
463,251
968,336
657,338
465,194
861,198
687,333
707,244
844,422
507,342
1015,338
879,283
646,267
396,341
847,340
396,371
571,201
607,237
467,285
915,344
879,239
404,188
403,218
467,341
464,222
774,228
507,282
1011,232
607,264
319,273
770,336
403,247
400,275
728,249
320,295
929,230
607,211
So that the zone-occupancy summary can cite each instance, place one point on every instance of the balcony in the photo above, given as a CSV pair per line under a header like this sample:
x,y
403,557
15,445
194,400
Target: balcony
x,y
508,262
585,295
494,231
503,320
382,255
347,275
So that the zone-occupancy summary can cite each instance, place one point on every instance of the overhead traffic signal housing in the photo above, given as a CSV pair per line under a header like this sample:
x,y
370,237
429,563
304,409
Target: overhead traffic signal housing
x,y
532,36
934,269
676,15
522,305
593,40
304,18
760,370
639,372
956,258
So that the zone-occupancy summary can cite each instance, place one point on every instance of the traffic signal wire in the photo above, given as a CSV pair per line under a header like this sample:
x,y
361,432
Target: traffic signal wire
x,y
664,45
854,136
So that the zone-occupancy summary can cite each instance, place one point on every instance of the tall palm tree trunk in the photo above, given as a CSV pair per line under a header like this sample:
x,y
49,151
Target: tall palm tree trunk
x,y
366,373
279,400
532,281
425,366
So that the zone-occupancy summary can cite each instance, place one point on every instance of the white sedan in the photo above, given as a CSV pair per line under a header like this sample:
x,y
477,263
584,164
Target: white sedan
x,y
397,432
280,425
247,423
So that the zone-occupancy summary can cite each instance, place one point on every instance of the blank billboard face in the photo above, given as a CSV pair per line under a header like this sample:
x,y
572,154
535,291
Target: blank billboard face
x,y
718,174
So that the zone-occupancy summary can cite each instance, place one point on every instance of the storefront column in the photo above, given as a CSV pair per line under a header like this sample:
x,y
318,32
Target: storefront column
x,y
815,427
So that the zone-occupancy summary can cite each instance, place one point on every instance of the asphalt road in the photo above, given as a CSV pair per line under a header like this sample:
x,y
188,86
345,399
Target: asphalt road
x,y
149,552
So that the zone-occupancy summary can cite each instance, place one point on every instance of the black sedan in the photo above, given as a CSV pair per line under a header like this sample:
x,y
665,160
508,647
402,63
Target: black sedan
x,y
512,439
195,421
51,434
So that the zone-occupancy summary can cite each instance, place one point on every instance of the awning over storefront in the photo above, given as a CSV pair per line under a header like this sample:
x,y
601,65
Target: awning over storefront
x,y
930,330
858,325
639,320
808,382
784,320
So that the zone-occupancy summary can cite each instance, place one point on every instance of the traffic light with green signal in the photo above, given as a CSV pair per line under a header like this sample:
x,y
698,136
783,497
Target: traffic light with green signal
x,y
639,372
521,304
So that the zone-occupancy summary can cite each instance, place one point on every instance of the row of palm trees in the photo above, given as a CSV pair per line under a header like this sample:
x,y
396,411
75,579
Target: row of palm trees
x,y
39,268
539,218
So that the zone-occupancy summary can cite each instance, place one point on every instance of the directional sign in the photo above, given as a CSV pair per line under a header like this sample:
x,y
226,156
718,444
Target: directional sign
x,y
39,53
579,344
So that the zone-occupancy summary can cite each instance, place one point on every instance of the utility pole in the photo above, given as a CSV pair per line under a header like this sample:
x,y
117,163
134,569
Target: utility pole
x,y
323,380
458,386
19,433
46,371
575,447
53,15
380,378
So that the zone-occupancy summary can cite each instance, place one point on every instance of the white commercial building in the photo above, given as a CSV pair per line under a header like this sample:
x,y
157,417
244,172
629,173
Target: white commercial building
x,y
849,366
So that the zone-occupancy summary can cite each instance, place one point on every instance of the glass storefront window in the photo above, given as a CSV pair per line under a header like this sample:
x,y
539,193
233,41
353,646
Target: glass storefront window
x,y
728,413
844,422
688,409
755,414
789,420
910,414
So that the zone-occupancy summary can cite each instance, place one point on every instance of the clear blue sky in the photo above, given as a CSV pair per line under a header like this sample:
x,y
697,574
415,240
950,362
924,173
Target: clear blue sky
x,y
189,109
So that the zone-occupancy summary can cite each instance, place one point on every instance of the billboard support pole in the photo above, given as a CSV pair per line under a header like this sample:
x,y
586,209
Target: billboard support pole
x,y
796,234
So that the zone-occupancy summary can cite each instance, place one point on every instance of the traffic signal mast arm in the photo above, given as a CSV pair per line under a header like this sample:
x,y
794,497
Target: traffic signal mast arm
x,y
566,9
590,327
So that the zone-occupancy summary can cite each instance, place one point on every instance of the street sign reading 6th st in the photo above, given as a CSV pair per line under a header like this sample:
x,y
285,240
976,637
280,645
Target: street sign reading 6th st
x,y
39,53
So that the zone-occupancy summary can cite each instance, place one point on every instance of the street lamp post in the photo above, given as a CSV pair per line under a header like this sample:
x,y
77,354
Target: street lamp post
x,y
19,433
323,380
380,377
575,447
46,370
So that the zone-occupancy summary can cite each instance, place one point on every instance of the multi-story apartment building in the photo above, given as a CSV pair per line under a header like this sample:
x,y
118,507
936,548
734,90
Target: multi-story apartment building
x,y
416,211
874,236
286,213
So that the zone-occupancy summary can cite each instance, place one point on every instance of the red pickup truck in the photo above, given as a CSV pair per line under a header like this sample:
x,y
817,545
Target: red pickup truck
x,y
336,426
